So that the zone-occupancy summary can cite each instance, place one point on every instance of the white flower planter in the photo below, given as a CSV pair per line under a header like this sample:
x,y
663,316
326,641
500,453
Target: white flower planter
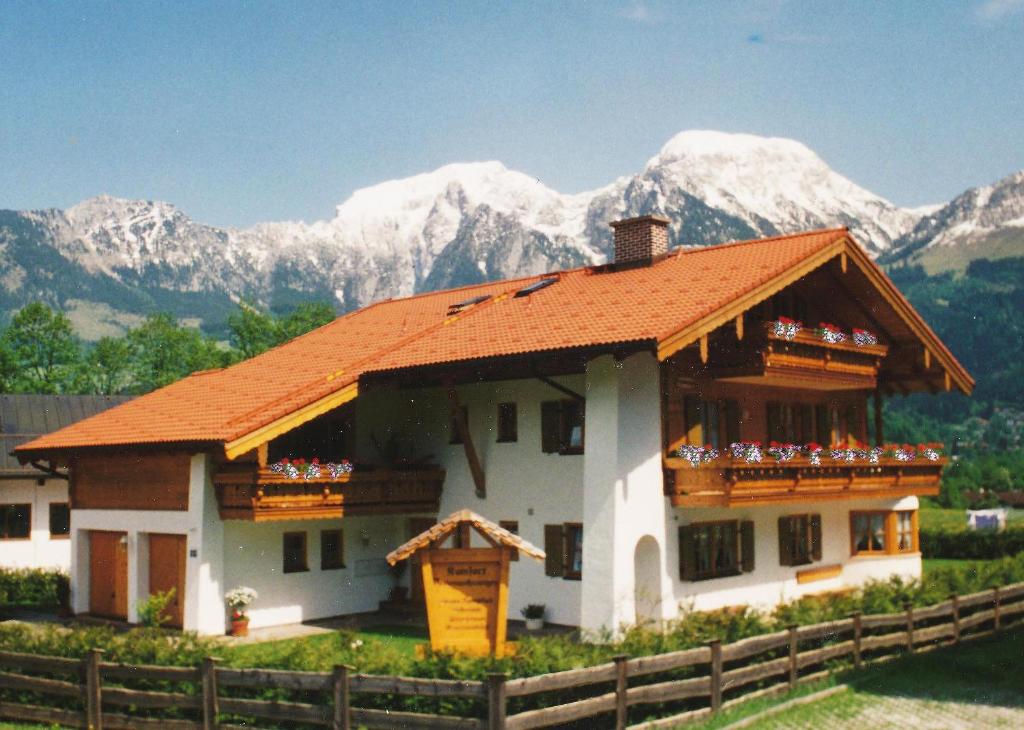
x,y
534,624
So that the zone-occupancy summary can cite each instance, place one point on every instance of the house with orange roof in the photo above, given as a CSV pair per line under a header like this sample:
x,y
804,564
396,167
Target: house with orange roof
x,y
695,428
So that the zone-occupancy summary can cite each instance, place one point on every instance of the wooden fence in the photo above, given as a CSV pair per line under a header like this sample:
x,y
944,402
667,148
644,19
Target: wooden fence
x,y
700,681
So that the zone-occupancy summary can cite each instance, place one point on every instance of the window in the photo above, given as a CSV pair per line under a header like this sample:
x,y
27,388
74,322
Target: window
x,y
454,434
563,545
867,531
711,422
874,533
60,520
508,427
562,426
906,532
15,521
716,549
535,286
513,527
799,539
295,552
332,550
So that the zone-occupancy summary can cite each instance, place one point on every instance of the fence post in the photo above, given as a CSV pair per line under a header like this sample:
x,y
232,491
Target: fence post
x,y
910,625
716,674
621,677
93,690
793,648
496,701
995,608
340,693
955,600
211,708
858,632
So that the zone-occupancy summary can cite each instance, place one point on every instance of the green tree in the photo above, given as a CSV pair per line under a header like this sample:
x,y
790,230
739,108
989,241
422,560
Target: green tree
x,y
252,331
304,318
107,368
162,351
43,349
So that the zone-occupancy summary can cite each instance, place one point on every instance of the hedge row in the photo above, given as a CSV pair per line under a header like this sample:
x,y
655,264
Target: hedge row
x,y
971,545
32,586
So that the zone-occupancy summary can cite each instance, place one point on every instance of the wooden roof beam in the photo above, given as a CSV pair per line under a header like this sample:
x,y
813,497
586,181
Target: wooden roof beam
x,y
475,467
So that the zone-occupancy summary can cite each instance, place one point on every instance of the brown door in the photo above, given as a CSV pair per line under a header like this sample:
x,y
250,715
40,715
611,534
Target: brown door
x,y
416,526
108,574
167,571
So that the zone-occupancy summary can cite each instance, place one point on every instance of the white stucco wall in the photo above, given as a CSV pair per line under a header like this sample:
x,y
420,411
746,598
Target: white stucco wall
x,y
770,583
204,557
39,551
254,557
523,483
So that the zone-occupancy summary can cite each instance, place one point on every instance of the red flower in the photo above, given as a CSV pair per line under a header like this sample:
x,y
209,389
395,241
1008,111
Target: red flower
x,y
773,444
285,461
708,447
316,460
786,320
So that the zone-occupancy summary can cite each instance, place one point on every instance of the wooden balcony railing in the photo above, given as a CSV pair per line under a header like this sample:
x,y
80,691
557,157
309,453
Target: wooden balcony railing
x,y
808,361
728,482
245,492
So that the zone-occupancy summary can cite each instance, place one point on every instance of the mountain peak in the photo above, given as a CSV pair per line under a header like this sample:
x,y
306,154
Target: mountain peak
x,y
704,143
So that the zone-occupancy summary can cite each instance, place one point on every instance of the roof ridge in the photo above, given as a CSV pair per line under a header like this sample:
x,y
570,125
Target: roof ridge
x,y
745,242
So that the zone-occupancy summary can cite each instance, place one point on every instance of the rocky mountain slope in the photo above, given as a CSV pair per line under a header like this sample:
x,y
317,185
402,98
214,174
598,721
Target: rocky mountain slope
x,y
107,260
983,222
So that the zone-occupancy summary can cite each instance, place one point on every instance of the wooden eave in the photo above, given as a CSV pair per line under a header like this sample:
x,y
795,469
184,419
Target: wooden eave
x,y
846,250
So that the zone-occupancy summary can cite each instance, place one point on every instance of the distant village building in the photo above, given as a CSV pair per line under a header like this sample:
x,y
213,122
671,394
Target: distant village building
x,y
35,521
620,416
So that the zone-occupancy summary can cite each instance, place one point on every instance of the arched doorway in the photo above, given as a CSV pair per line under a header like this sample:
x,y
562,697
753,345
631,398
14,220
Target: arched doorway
x,y
647,581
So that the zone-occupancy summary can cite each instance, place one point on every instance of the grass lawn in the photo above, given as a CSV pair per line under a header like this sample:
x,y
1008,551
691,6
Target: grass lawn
x,y
955,520
326,650
977,684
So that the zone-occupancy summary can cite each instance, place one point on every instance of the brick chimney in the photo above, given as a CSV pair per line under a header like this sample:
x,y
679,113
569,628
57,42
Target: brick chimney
x,y
639,240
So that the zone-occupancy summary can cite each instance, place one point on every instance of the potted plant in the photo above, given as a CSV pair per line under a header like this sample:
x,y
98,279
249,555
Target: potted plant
x,y
238,600
534,615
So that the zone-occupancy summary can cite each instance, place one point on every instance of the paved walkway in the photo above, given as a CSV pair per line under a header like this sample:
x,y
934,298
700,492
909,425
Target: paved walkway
x,y
863,710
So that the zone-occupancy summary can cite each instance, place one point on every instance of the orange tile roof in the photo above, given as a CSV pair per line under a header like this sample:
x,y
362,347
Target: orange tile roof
x,y
585,307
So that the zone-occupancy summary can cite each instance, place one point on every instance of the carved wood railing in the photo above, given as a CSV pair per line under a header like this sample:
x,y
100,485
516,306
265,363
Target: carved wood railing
x,y
727,482
257,494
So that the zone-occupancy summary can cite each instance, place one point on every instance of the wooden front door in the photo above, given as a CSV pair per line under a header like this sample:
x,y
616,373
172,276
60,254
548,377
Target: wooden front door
x,y
167,571
108,574
416,594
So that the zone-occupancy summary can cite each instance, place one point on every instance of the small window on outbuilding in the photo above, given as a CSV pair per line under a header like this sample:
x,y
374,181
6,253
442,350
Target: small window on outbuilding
x,y
15,521
60,520
508,423
332,550
295,560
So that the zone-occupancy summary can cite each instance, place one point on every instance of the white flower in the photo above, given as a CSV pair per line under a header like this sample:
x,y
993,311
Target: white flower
x,y
356,644
240,597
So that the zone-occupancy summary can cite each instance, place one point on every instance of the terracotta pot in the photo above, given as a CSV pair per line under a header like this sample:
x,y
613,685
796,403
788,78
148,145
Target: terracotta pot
x,y
240,627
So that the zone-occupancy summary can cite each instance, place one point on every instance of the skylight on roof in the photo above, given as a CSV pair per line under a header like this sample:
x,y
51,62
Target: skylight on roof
x,y
456,308
535,286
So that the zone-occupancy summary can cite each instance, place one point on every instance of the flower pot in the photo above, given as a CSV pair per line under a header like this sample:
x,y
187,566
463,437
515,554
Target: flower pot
x,y
534,624
239,627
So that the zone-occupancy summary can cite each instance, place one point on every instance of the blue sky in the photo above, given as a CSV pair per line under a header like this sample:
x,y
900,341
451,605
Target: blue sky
x,y
246,112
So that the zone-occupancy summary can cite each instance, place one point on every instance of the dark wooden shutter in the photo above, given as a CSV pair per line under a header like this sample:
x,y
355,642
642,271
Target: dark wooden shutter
x,y
732,422
675,423
805,429
694,430
776,423
553,548
687,553
550,426
785,541
815,537
822,425
747,546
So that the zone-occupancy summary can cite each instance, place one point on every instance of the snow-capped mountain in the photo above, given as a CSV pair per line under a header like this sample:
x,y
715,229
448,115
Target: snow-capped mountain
x,y
462,223
986,221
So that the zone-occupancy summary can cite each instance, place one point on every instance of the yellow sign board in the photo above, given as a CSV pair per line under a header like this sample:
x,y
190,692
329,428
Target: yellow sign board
x,y
466,590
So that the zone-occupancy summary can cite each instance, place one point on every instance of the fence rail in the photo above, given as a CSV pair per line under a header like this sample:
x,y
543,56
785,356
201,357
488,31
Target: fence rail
x,y
709,673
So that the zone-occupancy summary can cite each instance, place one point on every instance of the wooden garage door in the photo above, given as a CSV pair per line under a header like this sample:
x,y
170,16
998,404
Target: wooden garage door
x,y
108,574
166,571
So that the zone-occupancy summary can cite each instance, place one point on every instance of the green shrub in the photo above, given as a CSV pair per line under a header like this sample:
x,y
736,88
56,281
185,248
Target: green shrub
x,y
971,545
151,610
30,586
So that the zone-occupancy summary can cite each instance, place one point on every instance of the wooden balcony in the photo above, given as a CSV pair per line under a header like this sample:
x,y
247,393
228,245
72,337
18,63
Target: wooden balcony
x,y
808,362
729,482
245,492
